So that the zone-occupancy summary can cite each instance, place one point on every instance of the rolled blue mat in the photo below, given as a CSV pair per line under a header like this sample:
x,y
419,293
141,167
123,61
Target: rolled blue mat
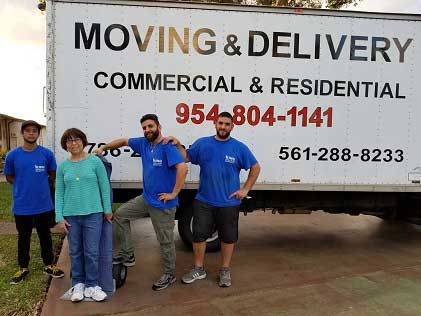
x,y
105,266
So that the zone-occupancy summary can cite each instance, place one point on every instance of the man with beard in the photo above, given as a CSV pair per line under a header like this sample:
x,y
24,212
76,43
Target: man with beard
x,y
31,170
164,172
217,202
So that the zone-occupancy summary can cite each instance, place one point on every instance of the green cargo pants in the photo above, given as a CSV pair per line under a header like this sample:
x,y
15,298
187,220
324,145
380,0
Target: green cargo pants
x,y
163,224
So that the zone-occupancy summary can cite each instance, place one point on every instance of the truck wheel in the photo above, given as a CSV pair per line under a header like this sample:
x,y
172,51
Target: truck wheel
x,y
185,229
119,274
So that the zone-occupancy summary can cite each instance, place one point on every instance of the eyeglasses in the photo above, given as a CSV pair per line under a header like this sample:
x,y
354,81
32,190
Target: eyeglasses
x,y
74,140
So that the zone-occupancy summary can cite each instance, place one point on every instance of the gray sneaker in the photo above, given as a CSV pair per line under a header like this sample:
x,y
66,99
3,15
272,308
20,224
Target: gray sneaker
x,y
225,277
195,274
165,281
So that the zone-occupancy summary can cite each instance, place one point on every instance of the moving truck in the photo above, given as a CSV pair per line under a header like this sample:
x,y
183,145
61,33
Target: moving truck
x,y
328,101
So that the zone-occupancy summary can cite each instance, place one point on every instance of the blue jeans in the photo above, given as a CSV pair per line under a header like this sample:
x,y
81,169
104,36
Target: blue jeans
x,y
84,236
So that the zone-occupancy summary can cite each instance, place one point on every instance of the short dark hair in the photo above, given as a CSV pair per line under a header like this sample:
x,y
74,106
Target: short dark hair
x,y
25,124
75,133
152,117
225,114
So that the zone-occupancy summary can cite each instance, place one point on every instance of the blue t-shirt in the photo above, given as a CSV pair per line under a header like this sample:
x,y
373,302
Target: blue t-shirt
x,y
220,165
31,189
159,172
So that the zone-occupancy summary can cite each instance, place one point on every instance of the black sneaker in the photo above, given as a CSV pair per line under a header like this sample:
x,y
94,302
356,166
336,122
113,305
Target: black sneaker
x,y
53,271
165,281
19,276
118,259
129,262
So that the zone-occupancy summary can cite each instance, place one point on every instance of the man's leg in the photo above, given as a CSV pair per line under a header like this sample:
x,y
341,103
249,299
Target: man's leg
x,y
24,228
24,225
163,224
203,223
43,223
199,249
226,254
131,210
227,225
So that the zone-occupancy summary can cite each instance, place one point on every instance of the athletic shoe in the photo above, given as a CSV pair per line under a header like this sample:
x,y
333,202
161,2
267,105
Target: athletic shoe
x,y
19,276
164,281
77,294
53,271
196,273
225,277
96,293
129,262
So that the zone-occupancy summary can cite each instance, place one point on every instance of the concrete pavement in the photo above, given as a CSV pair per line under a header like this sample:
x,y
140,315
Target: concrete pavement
x,y
284,265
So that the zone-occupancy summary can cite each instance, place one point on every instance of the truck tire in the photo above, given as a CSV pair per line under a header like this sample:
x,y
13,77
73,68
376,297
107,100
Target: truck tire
x,y
119,274
185,224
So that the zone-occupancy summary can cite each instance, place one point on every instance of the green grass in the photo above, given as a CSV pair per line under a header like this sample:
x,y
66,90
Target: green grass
x,y
5,202
21,299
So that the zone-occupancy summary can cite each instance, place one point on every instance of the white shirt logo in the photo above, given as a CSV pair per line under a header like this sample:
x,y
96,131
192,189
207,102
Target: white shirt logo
x,y
157,162
39,168
229,159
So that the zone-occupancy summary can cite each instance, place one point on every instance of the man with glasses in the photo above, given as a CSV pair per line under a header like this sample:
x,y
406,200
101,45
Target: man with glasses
x,y
164,172
31,170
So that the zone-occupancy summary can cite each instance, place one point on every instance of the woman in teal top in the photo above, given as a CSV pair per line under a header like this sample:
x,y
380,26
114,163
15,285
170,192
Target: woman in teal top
x,y
82,202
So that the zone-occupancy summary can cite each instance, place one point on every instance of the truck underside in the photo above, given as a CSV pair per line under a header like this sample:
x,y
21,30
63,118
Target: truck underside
x,y
386,205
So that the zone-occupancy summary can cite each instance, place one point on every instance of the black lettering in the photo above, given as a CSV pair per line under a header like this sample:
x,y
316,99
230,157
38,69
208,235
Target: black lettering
x,y
113,80
317,47
355,90
339,85
306,84
169,80
386,91
265,38
153,83
203,87
297,53
101,86
292,84
355,47
335,52
323,83
221,84
367,87
134,82
183,80
375,48
87,42
277,83
107,39
277,44
397,94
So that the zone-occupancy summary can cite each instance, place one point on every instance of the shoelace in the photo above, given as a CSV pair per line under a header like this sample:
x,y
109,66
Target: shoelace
x,y
54,268
19,273
164,278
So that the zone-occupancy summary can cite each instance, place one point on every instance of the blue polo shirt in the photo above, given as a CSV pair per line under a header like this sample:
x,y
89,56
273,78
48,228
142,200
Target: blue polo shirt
x,y
159,172
220,165
31,189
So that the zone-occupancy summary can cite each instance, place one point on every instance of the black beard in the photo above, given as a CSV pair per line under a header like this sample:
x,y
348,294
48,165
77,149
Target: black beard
x,y
223,136
153,137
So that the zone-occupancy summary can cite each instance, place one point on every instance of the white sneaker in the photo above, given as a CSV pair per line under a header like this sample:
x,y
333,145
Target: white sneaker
x,y
77,294
96,293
